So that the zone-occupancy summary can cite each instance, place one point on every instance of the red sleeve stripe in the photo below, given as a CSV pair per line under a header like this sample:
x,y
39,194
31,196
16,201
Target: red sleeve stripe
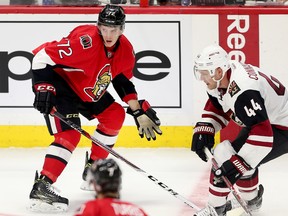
x,y
261,138
215,118
259,143
130,97
258,140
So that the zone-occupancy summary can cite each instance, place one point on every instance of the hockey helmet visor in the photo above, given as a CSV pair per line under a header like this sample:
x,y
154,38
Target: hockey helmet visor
x,y
211,58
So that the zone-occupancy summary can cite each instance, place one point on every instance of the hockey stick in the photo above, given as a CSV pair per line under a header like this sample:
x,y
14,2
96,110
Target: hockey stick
x,y
111,151
228,183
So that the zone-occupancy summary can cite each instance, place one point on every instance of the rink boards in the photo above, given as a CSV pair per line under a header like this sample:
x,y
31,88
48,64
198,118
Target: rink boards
x,y
165,39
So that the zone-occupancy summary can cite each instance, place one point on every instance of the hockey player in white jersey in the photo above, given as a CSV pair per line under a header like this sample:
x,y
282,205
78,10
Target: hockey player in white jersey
x,y
255,100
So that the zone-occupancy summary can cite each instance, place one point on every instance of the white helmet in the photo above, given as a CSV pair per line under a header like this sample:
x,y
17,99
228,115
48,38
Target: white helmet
x,y
210,59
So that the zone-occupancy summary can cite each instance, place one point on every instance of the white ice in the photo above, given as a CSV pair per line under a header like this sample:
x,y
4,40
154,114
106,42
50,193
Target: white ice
x,y
179,169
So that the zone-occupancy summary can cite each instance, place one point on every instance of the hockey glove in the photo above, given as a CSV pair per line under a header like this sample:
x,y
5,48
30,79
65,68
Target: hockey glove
x,y
233,169
45,97
203,137
146,120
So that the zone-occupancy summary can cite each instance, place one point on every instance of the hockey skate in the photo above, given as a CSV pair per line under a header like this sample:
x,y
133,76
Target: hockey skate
x,y
211,211
253,205
43,198
85,184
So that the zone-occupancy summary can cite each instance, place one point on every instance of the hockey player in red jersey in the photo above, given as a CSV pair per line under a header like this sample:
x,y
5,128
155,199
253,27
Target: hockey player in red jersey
x,y
255,100
105,176
73,75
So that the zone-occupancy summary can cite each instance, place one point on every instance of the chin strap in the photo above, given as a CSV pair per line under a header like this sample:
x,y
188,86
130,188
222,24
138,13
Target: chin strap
x,y
218,81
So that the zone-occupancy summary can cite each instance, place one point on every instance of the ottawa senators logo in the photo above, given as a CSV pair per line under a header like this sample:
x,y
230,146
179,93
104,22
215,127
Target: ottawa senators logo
x,y
102,83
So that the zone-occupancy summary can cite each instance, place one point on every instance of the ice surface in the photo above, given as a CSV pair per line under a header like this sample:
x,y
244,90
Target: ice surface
x,y
178,168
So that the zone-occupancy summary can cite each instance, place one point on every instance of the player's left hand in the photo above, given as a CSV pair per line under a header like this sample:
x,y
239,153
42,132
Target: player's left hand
x,y
233,168
146,120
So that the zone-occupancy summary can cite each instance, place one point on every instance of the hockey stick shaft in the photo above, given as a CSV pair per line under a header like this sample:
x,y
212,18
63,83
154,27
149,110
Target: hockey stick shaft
x,y
114,153
228,183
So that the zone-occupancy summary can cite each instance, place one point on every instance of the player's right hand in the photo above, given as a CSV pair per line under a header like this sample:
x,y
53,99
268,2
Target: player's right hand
x,y
45,97
233,169
203,137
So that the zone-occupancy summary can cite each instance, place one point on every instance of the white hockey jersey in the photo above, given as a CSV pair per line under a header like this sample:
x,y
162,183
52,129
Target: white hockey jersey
x,y
253,99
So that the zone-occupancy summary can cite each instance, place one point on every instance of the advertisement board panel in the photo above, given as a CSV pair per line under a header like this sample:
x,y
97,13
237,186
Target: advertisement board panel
x,y
166,40
157,64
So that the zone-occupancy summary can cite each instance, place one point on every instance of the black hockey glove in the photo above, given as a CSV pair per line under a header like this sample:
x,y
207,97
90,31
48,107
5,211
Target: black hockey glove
x,y
146,120
203,137
233,169
45,95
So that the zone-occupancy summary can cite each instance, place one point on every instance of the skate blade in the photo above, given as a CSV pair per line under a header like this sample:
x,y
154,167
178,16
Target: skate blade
x,y
86,186
40,206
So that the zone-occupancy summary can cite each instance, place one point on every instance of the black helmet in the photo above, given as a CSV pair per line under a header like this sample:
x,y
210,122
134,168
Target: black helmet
x,y
112,15
106,174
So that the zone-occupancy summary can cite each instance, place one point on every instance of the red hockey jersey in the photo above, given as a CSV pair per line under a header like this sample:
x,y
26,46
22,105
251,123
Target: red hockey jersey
x,y
84,62
109,207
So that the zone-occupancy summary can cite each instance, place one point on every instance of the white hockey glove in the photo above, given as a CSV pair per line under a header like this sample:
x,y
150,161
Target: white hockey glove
x,y
146,120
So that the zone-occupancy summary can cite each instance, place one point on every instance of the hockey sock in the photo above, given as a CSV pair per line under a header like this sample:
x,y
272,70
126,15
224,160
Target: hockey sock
x,y
98,152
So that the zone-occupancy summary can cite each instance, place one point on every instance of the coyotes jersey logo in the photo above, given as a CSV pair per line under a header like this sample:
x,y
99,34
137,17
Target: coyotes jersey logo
x,y
102,82
233,88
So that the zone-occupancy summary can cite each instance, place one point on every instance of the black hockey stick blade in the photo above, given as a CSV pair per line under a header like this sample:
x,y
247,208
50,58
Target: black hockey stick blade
x,y
54,112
